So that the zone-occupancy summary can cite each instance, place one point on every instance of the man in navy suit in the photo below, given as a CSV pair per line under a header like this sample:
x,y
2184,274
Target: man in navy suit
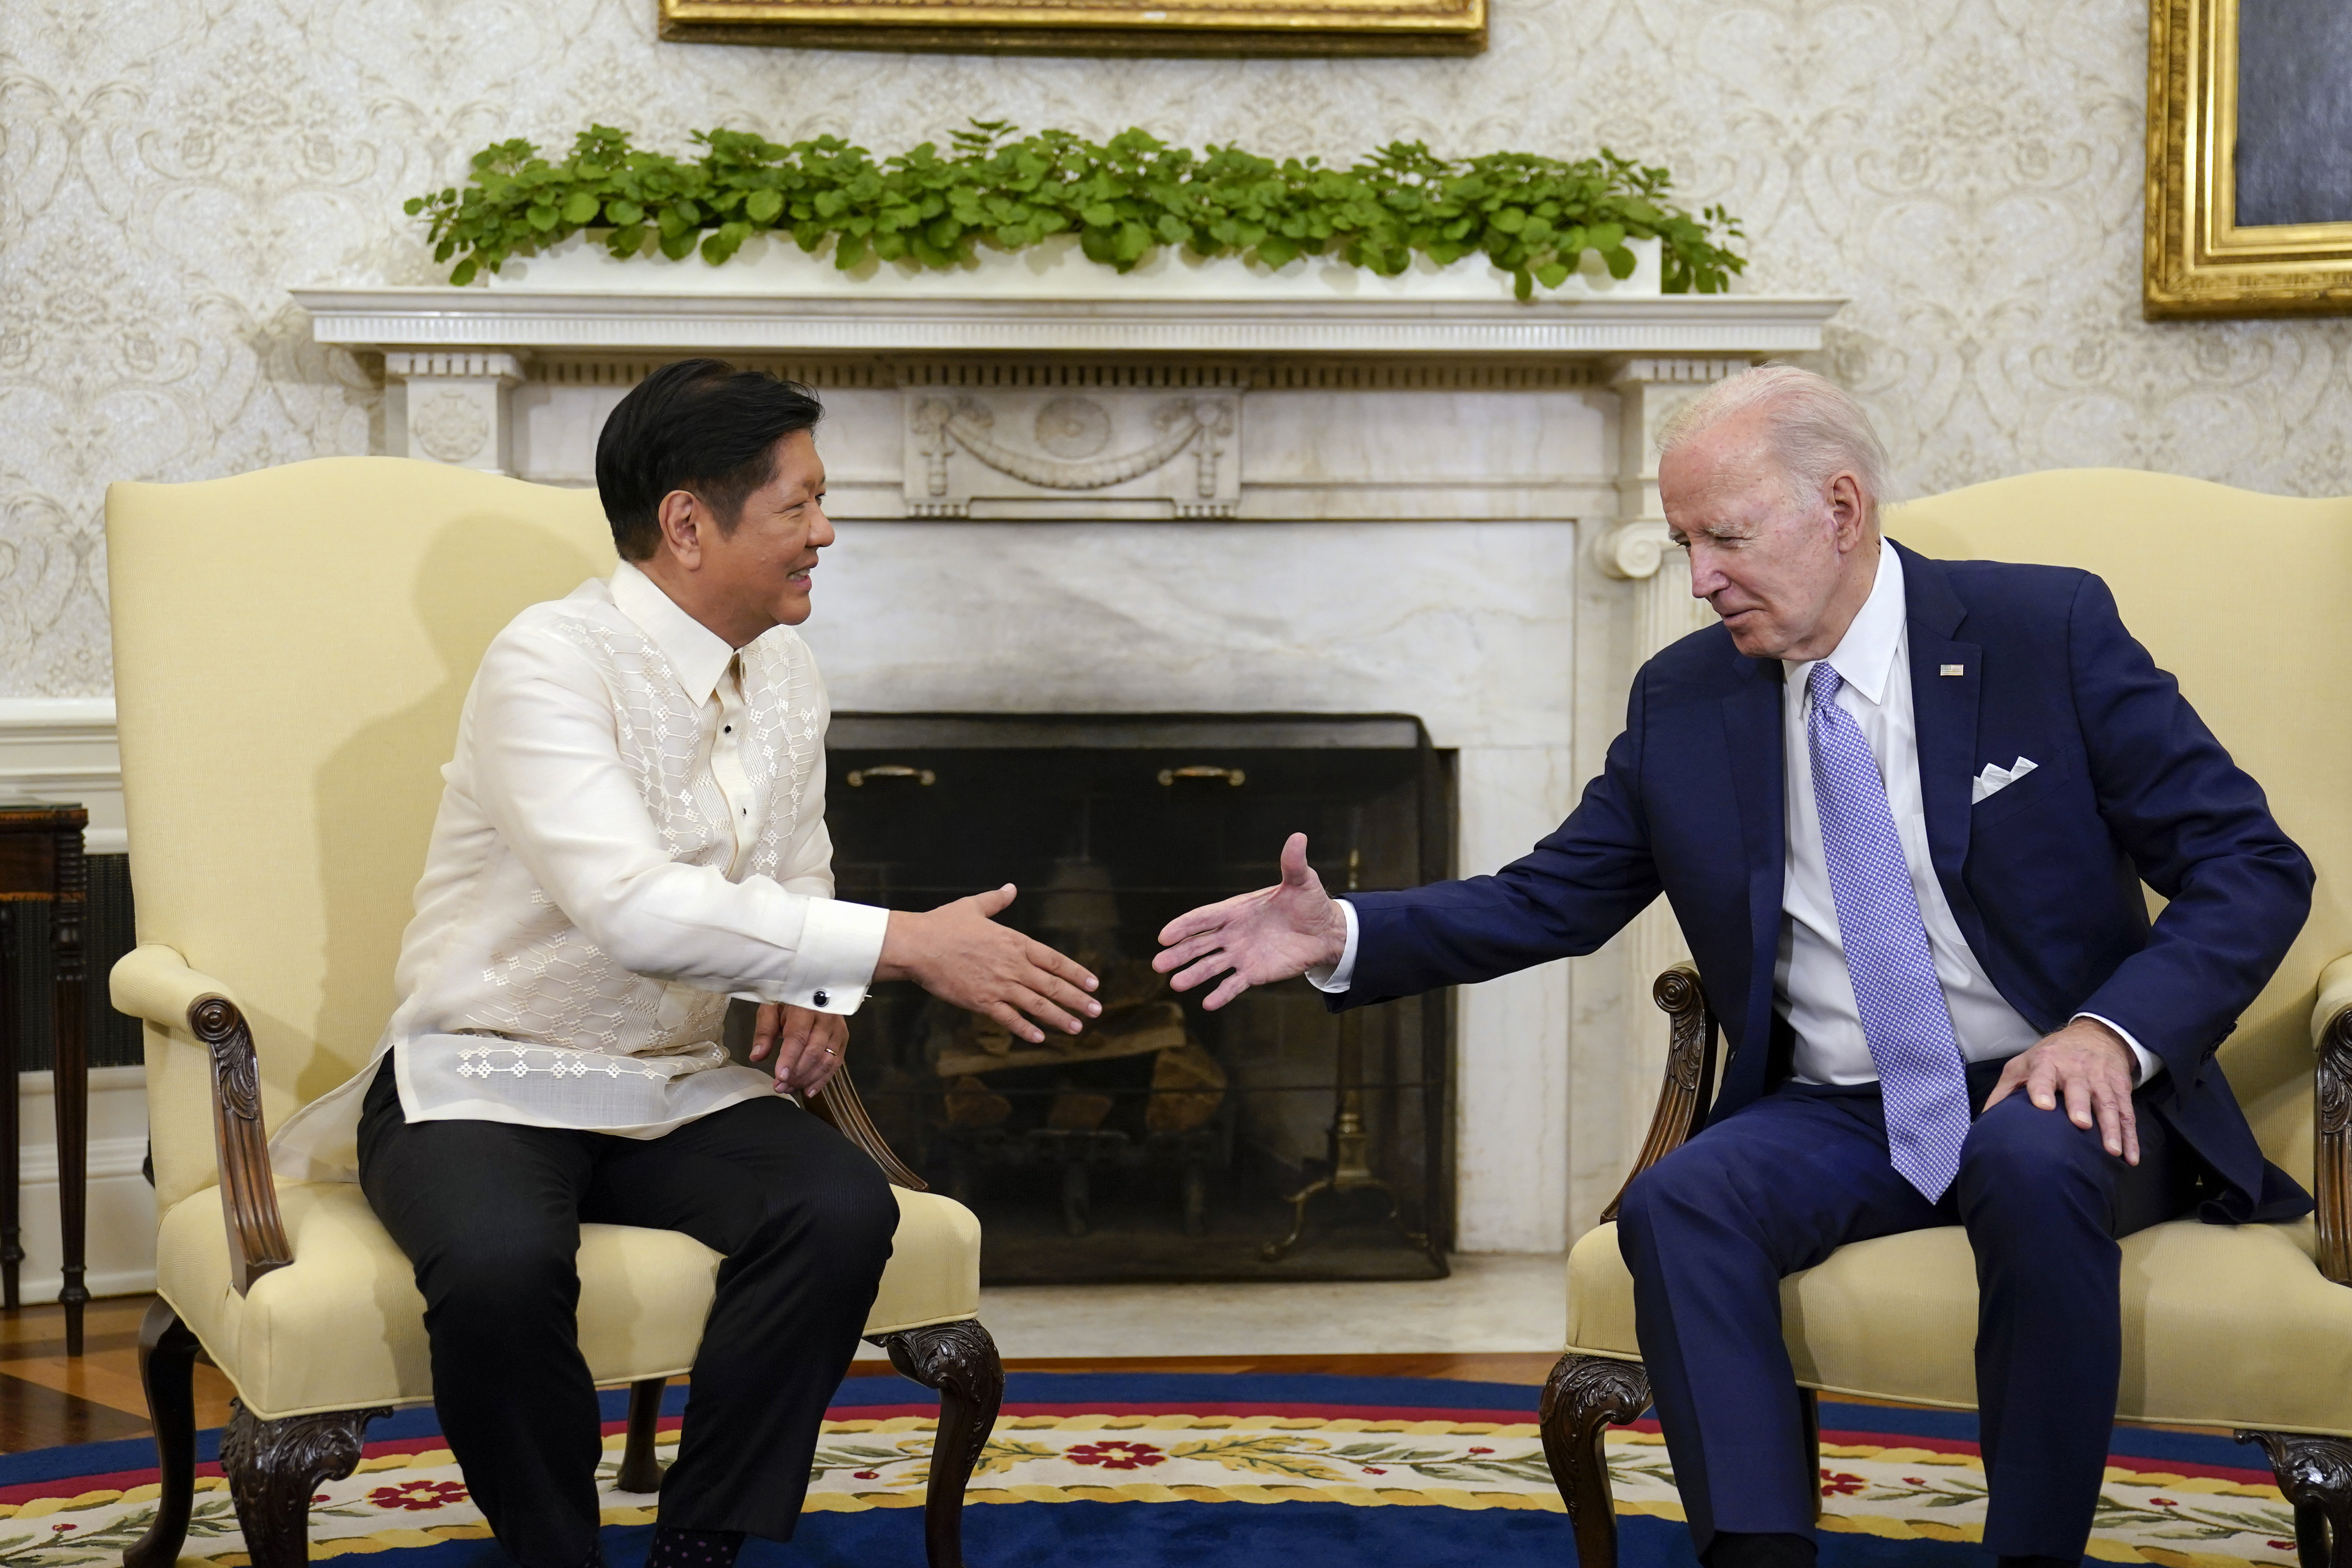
x,y
1903,810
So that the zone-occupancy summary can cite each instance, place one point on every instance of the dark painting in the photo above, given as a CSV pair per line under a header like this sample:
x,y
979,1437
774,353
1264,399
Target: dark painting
x,y
2295,111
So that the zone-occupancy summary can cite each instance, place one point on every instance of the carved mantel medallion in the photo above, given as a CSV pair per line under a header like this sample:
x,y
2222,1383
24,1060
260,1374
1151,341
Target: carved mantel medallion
x,y
1174,446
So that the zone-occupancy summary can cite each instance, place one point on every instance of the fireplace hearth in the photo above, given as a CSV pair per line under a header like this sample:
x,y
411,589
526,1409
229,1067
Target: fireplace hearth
x,y
1270,1140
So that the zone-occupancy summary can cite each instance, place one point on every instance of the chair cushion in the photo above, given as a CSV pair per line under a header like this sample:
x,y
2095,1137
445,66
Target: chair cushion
x,y
343,1327
2223,1326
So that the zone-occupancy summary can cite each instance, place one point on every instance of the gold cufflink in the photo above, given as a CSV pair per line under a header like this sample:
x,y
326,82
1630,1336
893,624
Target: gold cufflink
x,y
1953,670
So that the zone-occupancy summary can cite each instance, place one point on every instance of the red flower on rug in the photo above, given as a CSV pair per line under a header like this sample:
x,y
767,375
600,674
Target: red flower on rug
x,y
417,1496
1115,1454
1841,1484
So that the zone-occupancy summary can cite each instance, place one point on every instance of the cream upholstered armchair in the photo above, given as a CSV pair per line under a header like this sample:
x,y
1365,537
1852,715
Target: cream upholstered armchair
x,y
2247,1329
290,651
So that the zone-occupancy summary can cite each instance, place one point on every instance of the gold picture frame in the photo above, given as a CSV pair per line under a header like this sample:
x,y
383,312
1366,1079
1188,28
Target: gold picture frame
x,y
2200,260
1091,26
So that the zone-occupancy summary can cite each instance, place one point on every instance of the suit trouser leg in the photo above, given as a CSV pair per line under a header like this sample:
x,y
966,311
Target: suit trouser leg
x,y
805,1220
2044,1203
488,1215
1709,1233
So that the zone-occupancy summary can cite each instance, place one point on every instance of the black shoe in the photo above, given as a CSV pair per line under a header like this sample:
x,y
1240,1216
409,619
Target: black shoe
x,y
1739,1548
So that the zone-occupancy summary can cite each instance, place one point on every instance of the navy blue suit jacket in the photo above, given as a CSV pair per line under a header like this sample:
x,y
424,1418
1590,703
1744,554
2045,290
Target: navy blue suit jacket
x,y
2043,876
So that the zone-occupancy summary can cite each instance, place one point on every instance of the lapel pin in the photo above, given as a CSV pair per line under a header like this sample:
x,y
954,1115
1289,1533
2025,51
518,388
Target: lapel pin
x,y
1953,670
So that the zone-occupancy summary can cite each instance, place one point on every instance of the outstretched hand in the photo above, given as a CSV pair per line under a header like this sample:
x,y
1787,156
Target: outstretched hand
x,y
1258,938
2089,1064
960,954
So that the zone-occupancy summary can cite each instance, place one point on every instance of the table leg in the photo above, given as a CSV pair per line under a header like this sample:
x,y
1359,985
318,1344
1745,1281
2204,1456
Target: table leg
x,y
12,1245
72,1077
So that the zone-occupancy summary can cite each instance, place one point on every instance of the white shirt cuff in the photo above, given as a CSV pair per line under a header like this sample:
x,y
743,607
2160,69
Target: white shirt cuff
x,y
2150,1064
833,965
1342,974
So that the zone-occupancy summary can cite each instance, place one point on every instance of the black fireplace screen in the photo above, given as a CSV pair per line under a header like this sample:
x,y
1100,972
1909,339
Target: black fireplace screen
x,y
1269,1140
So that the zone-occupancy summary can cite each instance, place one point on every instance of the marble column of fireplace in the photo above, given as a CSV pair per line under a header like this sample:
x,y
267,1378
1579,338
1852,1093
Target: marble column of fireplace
x,y
1443,508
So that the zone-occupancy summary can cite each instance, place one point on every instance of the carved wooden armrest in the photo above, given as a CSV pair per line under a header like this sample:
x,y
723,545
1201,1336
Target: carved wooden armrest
x,y
1690,1072
2332,1110
155,982
256,1232
838,1104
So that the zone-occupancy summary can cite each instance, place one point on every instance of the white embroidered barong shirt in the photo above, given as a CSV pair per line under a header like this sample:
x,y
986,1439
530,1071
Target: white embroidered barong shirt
x,y
632,830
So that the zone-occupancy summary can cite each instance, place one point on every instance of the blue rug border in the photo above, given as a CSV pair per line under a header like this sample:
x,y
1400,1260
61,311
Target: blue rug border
x,y
1157,1387
1183,1535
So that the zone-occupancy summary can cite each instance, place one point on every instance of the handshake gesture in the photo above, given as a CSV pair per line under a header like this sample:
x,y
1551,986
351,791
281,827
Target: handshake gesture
x,y
958,953
1258,938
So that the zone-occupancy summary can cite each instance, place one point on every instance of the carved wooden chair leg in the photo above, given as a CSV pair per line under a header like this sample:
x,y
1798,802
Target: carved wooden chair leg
x,y
167,1366
274,1467
1585,1397
959,1359
2315,1476
639,1472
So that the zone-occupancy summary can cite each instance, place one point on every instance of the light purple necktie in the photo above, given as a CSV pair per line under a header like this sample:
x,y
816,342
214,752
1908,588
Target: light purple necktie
x,y
1921,1080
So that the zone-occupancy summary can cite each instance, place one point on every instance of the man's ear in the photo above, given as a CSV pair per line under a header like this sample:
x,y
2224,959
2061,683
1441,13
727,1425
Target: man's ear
x,y
679,516
1849,511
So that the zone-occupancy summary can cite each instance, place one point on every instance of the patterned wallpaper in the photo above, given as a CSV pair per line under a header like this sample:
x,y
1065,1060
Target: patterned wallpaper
x,y
1967,170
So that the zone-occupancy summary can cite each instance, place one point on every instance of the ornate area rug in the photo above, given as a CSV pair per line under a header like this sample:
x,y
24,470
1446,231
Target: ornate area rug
x,y
1254,1471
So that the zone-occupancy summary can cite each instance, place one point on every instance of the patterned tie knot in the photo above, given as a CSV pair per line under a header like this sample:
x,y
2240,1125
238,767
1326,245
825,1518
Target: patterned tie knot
x,y
1824,683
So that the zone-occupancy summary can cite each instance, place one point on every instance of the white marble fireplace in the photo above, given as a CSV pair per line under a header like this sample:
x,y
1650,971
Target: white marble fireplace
x,y
1172,502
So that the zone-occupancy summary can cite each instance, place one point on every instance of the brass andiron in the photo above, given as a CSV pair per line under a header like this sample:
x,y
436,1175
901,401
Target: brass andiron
x,y
1351,1171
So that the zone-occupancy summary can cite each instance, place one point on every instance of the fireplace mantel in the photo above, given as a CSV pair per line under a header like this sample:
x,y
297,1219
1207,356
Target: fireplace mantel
x,y
1441,506
628,322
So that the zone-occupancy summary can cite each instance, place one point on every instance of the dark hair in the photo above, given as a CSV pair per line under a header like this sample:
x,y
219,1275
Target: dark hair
x,y
697,425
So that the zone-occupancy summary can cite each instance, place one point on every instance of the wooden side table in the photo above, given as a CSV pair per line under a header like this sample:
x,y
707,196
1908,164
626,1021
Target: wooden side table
x,y
41,862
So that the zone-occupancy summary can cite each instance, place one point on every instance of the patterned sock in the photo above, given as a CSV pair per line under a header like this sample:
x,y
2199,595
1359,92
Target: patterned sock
x,y
676,1548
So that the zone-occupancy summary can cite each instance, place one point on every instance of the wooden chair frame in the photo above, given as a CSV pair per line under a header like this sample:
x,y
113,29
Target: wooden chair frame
x,y
275,1466
1587,1394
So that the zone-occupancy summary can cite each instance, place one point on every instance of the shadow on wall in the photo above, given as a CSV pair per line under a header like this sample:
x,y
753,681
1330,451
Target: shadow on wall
x,y
377,794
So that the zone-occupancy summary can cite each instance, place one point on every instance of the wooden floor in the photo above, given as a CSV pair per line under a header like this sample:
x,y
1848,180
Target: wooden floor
x,y
47,1399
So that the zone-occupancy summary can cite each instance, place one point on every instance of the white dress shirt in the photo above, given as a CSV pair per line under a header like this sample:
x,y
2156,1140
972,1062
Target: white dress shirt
x,y
632,830
1810,983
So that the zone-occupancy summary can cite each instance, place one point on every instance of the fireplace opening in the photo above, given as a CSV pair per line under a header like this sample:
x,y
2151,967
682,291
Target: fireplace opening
x,y
1269,1139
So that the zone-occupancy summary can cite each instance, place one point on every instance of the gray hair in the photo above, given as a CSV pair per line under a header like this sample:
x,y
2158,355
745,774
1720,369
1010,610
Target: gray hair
x,y
1815,427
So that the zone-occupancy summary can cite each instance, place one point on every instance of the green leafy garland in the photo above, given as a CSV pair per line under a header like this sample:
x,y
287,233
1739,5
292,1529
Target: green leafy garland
x,y
1533,216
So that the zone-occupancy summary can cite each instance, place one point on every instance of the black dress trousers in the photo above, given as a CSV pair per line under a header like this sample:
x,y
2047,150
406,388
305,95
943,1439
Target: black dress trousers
x,y
490,1213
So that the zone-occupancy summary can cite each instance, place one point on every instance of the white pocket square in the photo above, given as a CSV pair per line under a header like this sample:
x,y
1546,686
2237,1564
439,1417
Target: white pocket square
x,y
1996,778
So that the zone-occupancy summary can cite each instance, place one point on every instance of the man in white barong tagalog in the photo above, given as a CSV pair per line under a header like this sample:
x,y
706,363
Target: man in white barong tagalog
x,y
633,833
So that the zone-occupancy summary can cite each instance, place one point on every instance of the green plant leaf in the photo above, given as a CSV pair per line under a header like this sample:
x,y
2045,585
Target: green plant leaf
x,y
1532,216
